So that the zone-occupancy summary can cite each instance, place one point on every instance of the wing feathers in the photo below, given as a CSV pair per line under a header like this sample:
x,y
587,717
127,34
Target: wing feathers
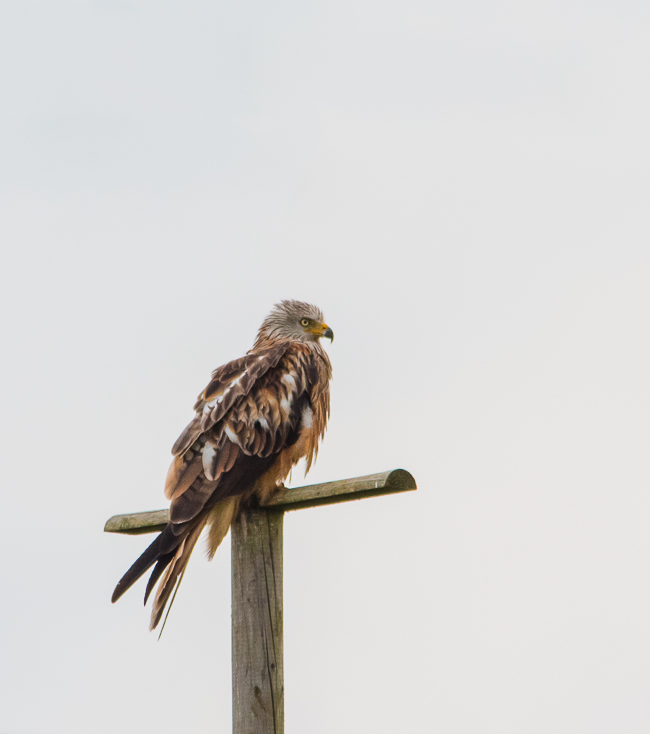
x,y
181,475
191,432
234,380
188,505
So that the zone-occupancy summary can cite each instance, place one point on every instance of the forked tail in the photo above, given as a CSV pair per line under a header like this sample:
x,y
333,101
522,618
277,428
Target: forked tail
x,y
170,552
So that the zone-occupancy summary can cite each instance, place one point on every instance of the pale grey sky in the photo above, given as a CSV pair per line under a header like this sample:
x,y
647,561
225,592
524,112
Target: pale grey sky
x,y
463,188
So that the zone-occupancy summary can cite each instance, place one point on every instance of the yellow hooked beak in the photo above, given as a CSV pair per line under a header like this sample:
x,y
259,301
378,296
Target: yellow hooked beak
x,y
328,333
323,330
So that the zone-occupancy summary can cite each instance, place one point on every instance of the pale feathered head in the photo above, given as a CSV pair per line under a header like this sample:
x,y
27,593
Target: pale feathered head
x,y
296,321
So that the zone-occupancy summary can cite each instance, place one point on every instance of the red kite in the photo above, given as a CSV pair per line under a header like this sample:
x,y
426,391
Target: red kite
x,y
257,418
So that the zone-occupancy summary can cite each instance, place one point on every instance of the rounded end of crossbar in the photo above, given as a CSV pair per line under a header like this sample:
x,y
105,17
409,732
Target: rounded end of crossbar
x,y
400,480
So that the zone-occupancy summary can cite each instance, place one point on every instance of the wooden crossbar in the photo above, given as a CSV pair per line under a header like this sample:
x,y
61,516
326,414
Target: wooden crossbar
x,y
313,495
257,607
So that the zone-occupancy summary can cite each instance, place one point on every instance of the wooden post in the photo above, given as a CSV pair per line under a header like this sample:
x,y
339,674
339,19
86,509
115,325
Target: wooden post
x,y
257,631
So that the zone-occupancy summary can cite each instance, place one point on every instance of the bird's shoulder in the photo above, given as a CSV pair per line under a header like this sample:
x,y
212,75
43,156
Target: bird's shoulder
x,y
262,375
261,368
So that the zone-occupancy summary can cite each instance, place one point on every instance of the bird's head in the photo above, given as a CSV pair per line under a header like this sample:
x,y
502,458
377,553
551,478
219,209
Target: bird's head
x,y
296,321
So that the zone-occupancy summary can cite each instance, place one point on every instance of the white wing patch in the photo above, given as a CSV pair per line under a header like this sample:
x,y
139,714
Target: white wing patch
x,y
209,452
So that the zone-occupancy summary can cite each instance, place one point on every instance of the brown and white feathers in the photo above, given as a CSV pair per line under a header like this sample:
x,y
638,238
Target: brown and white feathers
x,y
258,416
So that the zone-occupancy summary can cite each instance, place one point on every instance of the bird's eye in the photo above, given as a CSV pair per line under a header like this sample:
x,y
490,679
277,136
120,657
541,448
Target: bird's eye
x,y
304,322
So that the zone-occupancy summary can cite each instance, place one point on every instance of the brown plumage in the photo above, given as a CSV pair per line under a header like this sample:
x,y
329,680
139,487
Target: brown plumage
x,y
258,416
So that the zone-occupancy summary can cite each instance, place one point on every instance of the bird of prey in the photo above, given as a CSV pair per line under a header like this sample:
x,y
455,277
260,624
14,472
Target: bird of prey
x,y
258,416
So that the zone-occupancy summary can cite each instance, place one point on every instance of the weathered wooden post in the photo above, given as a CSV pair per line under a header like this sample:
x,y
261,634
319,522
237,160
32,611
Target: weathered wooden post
x,y
257,630
257,614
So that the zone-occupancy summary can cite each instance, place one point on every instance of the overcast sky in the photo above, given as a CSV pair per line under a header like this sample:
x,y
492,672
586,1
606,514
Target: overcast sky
x,y
463,188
